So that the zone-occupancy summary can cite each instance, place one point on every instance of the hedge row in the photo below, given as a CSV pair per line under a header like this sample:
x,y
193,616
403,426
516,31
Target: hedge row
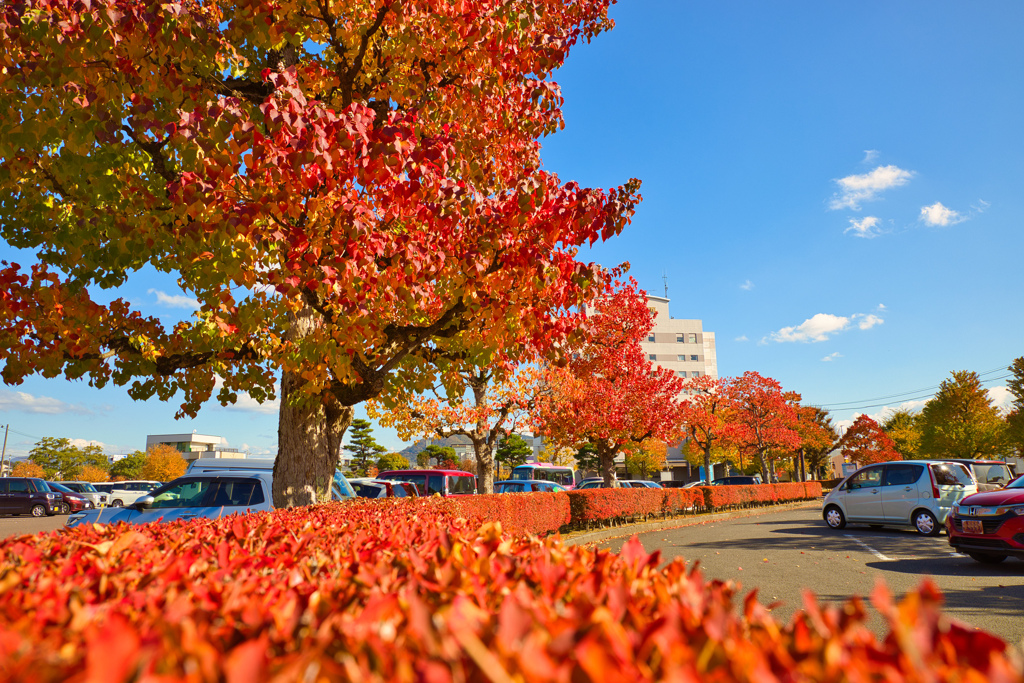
x,y
541,513
385,591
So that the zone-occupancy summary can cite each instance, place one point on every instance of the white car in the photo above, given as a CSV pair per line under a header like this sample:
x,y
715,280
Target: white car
x,y
916,493
210,495
124,493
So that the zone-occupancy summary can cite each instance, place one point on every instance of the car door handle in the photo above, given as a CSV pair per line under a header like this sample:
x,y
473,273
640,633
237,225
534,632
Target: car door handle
x,y
908,488
187,515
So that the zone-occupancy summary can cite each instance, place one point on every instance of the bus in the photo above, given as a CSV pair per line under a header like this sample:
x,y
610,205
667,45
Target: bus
x,y
545,471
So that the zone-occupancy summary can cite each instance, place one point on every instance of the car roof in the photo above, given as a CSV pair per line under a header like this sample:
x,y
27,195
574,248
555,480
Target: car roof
x,y
455,472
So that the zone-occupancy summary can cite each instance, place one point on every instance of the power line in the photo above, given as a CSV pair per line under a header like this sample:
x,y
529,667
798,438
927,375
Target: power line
x,y
1001,368
907,396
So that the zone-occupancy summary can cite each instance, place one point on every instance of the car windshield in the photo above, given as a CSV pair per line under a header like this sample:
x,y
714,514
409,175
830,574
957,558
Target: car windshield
x,y
54,486
366,490
181,494
1017,483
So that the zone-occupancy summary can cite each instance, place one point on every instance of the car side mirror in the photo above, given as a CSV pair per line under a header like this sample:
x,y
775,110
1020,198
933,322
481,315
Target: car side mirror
x,y
144,502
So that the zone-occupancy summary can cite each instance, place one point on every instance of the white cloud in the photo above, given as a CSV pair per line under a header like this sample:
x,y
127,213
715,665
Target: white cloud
x,y
832,356
82,443
175,301
883,413
866,322
869,156
937,214
1001,398
855,189
822,326
881,307
815,329
19,401
248,404
866,227
742,338
747,286
981,206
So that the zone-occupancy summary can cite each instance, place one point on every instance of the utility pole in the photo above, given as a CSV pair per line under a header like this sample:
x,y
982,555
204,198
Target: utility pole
x,y
3,453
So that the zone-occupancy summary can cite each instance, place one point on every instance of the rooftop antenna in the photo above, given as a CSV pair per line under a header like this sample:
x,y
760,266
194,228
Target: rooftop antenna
x,y
664,276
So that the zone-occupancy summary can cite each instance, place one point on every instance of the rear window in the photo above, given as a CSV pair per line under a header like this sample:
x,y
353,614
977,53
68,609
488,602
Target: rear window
x,y
366,490
896,475
996,474
952,474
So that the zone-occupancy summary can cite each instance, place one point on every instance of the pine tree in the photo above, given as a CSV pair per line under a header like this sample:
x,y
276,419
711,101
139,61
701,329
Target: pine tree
x,y
363,447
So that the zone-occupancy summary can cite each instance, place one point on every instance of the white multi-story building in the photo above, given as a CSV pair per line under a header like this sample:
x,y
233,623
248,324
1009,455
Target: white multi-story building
x,y
194,446
681,346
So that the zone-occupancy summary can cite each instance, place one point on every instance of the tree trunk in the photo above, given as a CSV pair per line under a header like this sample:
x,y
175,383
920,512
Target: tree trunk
x,y
484,466
707,466
309,433
765,472
606,457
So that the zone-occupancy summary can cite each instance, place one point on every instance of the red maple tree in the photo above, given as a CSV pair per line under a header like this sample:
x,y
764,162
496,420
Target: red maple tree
x,y
608,393
865,443
762,422
705,415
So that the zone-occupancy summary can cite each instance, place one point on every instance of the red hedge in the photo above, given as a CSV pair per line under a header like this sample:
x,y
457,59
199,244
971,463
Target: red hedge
x,y
402,591
535,513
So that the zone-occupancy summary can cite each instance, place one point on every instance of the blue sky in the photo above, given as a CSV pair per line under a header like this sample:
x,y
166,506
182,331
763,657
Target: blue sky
x,y
833,188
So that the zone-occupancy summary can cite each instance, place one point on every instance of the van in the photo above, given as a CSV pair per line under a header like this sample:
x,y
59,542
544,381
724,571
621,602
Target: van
x,y
340,489
916,493
429,482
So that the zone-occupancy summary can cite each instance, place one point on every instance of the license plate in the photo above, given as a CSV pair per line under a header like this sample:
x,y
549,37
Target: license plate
x,y
973,526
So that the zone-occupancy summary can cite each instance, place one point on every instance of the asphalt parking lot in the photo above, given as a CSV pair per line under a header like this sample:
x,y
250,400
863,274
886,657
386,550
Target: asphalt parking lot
x,y
784,553
25,524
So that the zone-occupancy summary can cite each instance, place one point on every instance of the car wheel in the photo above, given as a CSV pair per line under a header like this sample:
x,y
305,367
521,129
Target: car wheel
x,y
38,510
65,509
986,558
834,517
116,503
925,523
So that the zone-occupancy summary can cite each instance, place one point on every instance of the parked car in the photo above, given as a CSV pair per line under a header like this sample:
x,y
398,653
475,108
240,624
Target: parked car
x,y
643,484
989,526
429,482
699,482
527,486
597,484
87,490
71,501
210,495
123,493
917,493
737,480
367,487
27,496
340,487
989,474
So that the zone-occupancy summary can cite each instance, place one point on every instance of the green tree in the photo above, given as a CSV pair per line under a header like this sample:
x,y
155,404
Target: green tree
x,y
129,467
392,461
1015,418
513,451
961,422
363,447
646,457
904,428
587,458
60,459
438,454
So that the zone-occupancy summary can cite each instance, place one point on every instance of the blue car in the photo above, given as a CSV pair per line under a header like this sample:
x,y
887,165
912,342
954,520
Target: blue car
x,y
210,495
526,486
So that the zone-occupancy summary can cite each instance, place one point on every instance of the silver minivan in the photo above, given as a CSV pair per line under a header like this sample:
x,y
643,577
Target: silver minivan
x,y
917,493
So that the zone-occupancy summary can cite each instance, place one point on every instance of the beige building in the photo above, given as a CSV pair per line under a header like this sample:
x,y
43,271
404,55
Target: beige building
x,y
194,445
681,346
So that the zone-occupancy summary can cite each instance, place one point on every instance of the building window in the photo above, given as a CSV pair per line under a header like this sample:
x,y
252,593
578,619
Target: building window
x,y
650,337
695,373
693,357
682,373
653,356
693,338
680,338
681,356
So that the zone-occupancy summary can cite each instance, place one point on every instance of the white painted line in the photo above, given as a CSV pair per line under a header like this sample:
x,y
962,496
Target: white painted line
x,y
871,550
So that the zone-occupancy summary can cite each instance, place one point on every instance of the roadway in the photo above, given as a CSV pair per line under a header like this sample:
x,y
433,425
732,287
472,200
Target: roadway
x,y
786,552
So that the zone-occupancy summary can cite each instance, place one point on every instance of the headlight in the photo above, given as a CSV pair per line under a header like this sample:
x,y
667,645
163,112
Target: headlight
x,y
1016,510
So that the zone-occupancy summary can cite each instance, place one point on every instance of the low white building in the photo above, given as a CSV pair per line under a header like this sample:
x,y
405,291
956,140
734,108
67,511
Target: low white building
x,y
192,446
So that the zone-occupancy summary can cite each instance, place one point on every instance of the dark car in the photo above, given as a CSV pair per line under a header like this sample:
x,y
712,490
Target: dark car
x,y
989,526
27,496
737,480
71,501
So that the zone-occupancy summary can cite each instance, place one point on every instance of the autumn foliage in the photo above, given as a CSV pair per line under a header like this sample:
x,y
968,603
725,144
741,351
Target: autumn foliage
x,y
865,443
403,591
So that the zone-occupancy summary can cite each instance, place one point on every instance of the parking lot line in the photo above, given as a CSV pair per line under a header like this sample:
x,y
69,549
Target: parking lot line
x,y
862,544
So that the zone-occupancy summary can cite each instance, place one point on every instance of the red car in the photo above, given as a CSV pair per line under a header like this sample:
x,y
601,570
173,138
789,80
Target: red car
x,y
989,526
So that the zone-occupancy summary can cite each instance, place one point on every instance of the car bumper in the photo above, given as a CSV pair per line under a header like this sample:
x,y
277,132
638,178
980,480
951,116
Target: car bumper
x,y
1000,535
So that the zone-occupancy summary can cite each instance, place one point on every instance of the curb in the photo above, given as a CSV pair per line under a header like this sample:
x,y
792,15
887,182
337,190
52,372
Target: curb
x,y
679,522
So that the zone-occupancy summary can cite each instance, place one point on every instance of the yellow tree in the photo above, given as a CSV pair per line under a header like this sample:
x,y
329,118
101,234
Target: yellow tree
x,y
163,463
648,456
24,468
93,473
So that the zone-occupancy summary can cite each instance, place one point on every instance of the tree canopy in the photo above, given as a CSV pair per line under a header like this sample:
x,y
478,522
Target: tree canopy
x,y
364,448
59,459
351,193
866,443
961,421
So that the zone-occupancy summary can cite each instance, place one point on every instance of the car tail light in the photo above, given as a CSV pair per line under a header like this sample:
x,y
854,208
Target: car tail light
x,y
935,486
